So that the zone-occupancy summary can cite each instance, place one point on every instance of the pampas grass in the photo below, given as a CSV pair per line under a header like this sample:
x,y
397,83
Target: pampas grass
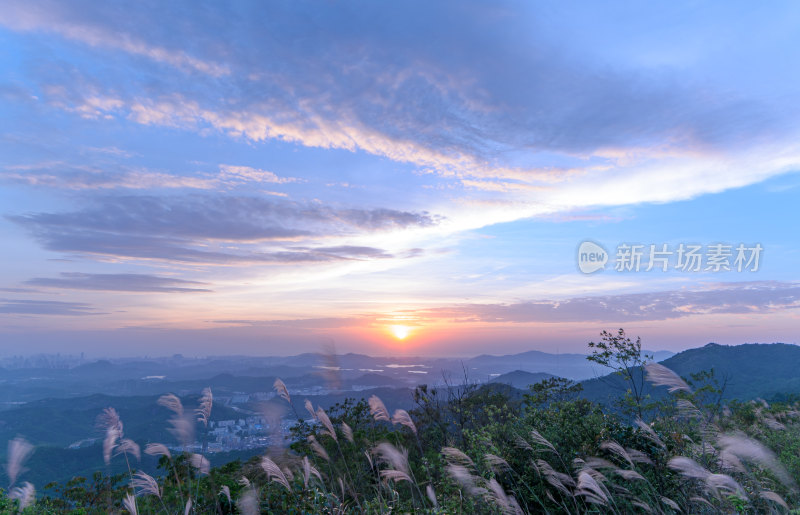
x,y
689,459
750,450
203,412
200,463
660,375
402,417
146,484
129,502
172,403
19,450
281,390
274,473
378,409
157,449
25,494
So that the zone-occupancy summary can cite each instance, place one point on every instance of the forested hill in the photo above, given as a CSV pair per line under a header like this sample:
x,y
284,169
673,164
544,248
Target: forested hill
x,y
746,371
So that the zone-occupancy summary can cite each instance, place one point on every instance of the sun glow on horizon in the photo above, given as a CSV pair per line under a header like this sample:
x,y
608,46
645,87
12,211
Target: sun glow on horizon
x,y
400,332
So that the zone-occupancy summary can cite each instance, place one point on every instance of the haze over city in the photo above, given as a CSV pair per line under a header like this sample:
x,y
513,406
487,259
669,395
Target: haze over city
x,y
274,178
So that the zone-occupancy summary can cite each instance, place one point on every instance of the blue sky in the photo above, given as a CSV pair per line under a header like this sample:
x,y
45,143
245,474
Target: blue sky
x,y
267,178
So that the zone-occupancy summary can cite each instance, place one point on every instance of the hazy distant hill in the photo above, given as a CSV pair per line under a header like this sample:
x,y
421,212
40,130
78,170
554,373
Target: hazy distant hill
x,y
521,379
572,366
749,371
229,374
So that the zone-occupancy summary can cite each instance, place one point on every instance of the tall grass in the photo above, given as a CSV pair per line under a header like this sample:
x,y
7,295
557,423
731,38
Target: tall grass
x,y
692,458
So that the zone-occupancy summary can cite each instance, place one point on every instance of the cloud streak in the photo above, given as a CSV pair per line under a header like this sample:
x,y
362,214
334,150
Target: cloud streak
x,y
104,176
219,230
139,283
45,307
361,86
726,298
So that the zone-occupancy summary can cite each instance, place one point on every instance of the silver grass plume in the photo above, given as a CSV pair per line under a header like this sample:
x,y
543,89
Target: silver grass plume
x,y
660,375
392,456
590,489
146,484
454,455
593,462
649,433
750,450
672,504
629,475
617,450
326,423
274,473
541,440
157,449
19,450
687,467
431,496
310,409
110,422
128,446
308,471
203,412
497,464
347,432
496,494
638,456
226,491
772,496
402,417
288,473
559,480
726,483
773,424
129,502
687,409
281,390
318,449
200,463
248,502
182,428
395,475
25,494
172,403
378,409
464,478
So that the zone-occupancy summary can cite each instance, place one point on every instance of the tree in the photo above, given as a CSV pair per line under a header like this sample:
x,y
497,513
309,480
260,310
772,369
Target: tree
x,y
624,356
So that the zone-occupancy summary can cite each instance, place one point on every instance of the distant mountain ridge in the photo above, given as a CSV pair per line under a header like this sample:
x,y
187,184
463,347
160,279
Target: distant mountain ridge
x,y
521,379
748,371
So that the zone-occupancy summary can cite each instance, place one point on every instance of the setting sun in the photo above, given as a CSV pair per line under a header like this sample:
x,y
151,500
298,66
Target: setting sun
x,y
400,332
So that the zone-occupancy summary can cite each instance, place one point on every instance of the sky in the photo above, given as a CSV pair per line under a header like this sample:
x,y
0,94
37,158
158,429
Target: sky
x,y
406,178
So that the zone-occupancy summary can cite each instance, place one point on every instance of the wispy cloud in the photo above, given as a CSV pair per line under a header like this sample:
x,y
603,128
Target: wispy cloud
x,y
724,298
69,176
107,176
45,307
223,230
239,174
118,282
73,23
523,123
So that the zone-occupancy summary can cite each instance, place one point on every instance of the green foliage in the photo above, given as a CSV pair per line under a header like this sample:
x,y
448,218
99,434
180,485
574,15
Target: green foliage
x,y
624,356
469,448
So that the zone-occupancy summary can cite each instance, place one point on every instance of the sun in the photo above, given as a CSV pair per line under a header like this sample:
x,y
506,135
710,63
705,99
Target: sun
x,y
400,332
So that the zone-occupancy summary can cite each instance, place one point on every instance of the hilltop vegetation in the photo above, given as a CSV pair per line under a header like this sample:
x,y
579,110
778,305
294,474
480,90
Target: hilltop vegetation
x,y
465,448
